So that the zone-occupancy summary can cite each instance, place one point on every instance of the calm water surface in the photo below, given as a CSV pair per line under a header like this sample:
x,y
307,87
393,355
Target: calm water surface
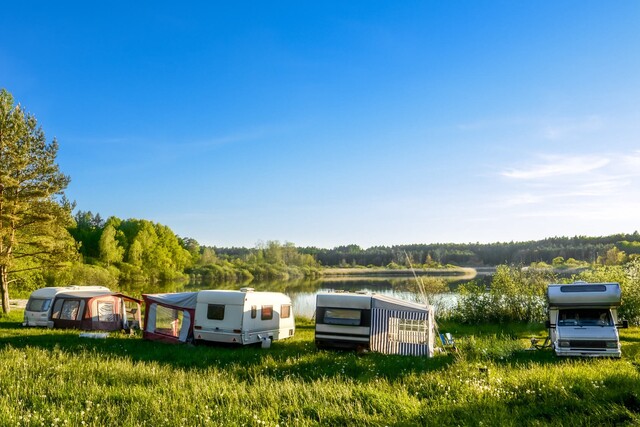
x,y
303,293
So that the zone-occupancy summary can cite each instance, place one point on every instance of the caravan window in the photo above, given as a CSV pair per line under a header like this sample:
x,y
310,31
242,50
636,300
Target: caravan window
x,y
267,312
342,316
105,311
285,311
38,304
254,311
215,312
69,310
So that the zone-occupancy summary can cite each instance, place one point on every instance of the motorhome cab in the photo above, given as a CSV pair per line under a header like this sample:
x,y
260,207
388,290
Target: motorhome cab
x,y
377,322
583,319
38,309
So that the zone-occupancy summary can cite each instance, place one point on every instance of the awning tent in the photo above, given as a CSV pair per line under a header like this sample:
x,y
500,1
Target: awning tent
x,y
401,327
169,317
99,310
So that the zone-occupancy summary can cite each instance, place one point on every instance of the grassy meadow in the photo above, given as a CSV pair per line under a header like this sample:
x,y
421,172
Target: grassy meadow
x,y
52,377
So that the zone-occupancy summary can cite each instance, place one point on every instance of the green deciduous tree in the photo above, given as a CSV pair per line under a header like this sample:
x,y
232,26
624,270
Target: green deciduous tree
x,y
110,250
34,215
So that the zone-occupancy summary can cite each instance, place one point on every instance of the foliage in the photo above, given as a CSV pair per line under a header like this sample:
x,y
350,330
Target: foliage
x,y
267,261
628,276
581,248
33,212
138,249
515,294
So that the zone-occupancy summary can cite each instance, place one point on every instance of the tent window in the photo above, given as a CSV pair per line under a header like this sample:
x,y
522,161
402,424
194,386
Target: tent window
x,y
215,312
168,321
38,304
105,311
408,331
69,310
285,311
267,312
254,311
341,316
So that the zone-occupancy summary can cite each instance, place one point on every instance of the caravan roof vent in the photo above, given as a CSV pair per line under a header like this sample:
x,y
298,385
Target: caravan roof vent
x,y
247,289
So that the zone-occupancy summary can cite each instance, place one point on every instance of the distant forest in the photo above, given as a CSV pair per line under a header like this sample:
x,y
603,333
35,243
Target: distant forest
x,y
135,250
578,248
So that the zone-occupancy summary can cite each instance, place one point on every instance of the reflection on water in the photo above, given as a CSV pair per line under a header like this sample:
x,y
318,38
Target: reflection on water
x,y
303,293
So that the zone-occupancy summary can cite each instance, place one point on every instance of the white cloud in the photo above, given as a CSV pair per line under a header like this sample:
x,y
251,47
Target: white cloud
x,y
594,187
568,128
555,166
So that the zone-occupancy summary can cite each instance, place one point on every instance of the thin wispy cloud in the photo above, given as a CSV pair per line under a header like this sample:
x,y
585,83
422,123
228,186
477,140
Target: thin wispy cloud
x,y
555,166
566,128
599,187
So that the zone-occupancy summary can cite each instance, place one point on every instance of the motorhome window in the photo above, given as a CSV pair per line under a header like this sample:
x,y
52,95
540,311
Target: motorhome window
x,y
69,310
408,331
285,311
215,312
341,316
583,288
585,317
266,312
38,304
106,311
168,321
254,311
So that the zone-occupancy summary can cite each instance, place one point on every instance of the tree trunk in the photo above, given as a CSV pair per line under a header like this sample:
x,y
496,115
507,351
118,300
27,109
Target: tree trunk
x,y
4,288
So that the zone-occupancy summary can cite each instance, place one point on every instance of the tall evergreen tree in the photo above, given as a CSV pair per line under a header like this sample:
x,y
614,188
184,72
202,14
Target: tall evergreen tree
x,y
34,215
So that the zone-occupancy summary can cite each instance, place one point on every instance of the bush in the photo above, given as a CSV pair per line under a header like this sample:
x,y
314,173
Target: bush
x,y
628,276
515,294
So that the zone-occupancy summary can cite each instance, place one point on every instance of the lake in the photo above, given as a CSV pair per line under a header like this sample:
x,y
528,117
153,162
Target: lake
x,y
303,292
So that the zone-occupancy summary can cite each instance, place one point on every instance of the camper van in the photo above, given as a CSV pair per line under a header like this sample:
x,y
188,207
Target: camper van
x,y
240,317
95,311
38,309
375,322
583,319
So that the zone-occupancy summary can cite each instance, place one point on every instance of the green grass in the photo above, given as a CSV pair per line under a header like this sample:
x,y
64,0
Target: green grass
x,y
57,378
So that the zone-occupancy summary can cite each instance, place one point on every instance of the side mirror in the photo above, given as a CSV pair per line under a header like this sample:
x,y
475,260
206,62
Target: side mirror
x,y
547,324
625,324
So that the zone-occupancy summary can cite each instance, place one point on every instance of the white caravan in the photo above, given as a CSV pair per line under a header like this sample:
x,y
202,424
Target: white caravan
x,y
583,319
243,317
377,322
38,309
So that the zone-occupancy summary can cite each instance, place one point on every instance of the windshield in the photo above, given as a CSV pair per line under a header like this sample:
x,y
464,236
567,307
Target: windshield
x,y
585,317
38,304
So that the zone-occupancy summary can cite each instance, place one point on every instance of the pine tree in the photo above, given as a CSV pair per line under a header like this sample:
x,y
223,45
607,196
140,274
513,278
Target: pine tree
x,y
34,213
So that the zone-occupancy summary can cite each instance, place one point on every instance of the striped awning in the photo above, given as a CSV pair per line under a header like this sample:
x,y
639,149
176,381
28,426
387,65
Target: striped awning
x,y
402,332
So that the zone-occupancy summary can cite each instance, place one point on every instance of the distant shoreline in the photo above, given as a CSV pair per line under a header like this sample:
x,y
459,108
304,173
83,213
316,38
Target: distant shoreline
x,y
461,272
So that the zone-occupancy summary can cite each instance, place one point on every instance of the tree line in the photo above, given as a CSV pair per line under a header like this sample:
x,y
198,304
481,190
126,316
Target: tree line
x,y
578,248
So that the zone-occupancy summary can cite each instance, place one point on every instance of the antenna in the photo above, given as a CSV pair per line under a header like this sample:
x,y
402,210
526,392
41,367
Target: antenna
x,y
423,293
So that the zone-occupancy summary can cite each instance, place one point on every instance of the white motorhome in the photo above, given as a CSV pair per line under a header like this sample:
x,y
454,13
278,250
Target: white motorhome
x,y
38,309
583,319
243,316
371,321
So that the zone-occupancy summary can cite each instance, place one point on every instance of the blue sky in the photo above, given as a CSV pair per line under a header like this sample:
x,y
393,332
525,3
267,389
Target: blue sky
x,y
329,123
